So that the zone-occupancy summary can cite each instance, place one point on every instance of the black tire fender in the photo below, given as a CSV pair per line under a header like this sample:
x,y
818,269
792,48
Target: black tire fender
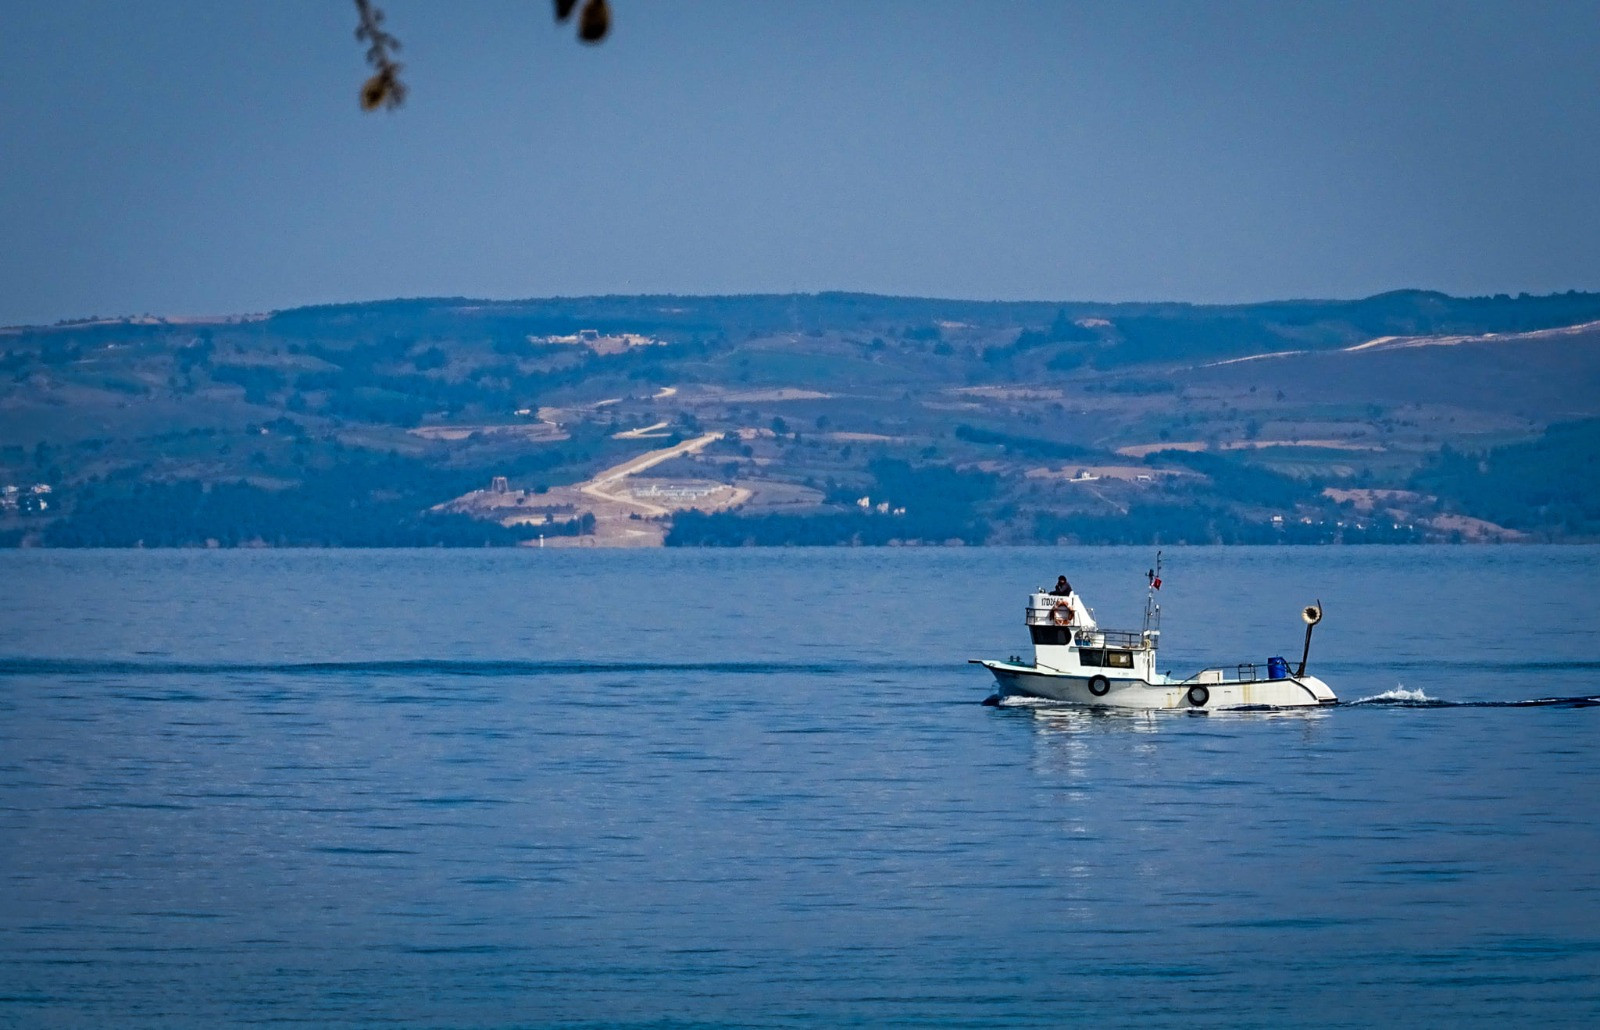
x,y
1198,696
1099,686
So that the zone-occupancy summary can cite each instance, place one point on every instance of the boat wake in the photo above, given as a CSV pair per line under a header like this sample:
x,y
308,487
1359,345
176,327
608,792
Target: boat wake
x,y
1400,697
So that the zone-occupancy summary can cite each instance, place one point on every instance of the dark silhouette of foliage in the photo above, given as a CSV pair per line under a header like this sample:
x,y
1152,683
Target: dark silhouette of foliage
x,y
1241,482
594,21
1025,446
368,500
1548,486
384,88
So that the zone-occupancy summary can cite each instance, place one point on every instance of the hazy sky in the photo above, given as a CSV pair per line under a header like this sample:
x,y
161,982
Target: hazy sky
x,y
209,156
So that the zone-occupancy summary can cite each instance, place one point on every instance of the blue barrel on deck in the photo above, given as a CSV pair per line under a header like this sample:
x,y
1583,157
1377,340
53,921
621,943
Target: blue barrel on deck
x,y
1277,668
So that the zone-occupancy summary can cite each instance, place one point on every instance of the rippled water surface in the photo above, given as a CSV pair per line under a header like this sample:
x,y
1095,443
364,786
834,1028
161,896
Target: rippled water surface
x,y
757,788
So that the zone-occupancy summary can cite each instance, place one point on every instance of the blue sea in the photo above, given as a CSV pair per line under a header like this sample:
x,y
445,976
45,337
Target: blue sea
x,y
758,788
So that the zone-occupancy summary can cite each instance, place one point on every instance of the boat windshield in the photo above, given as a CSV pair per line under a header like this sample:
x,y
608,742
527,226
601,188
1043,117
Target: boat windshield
x,y
1106,657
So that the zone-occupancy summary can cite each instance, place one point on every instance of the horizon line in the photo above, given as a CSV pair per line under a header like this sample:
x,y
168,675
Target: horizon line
x,y
147,318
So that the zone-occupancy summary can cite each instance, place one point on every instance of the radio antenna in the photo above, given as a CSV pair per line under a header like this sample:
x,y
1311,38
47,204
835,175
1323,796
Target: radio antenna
x,y
1152,611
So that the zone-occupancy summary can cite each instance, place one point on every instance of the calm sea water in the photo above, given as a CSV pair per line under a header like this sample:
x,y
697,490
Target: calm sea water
x,y
758,788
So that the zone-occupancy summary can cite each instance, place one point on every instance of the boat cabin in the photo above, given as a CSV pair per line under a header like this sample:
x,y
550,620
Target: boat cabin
x,y
1060,646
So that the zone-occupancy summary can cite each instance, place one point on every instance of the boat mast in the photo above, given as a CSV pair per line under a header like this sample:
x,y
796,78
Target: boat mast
x,y
1152,611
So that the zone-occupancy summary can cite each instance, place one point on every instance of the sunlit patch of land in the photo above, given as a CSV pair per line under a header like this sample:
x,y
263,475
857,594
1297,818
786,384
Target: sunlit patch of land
x,y
626,511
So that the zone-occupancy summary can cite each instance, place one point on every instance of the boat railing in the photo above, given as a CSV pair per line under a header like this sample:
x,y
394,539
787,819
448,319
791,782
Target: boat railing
x,y
1129,638
1244,672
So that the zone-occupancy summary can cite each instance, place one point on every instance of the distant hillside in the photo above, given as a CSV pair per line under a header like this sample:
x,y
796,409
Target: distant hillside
x,y
1137,332
842,418
1545,486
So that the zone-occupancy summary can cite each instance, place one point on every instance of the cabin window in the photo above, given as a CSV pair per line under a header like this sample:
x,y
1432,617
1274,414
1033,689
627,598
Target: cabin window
x,y
1051,634
1092,656
1119,659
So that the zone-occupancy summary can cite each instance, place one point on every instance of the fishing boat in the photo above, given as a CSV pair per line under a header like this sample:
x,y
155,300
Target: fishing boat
x,y
1077,662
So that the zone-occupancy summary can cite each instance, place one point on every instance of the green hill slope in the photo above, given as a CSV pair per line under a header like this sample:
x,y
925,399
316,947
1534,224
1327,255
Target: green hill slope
x,y
985,421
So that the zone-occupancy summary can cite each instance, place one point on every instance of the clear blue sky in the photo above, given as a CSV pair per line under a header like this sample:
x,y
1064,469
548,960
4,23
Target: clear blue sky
x,y
208,156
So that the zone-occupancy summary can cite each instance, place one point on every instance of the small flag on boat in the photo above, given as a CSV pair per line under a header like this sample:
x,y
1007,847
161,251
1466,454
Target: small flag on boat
x,y
1155,580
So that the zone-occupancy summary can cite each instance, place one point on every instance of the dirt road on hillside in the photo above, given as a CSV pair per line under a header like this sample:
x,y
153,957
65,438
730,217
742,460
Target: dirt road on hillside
x,y
605,486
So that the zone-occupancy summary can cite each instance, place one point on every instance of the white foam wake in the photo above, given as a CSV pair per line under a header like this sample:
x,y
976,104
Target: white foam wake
x,y
1023,701
1399,693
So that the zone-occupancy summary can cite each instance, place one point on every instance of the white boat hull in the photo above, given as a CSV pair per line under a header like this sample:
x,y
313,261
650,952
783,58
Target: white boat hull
x,y
1017,680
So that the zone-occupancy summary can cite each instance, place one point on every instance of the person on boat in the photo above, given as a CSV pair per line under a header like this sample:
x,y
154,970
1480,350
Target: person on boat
x,y
1081,618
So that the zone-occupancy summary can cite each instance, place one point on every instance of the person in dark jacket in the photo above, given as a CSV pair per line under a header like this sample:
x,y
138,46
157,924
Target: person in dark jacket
x,y
1080,616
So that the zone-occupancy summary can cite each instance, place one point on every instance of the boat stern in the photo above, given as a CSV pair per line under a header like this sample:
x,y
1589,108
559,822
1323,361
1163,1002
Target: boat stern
x,y
1323,693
